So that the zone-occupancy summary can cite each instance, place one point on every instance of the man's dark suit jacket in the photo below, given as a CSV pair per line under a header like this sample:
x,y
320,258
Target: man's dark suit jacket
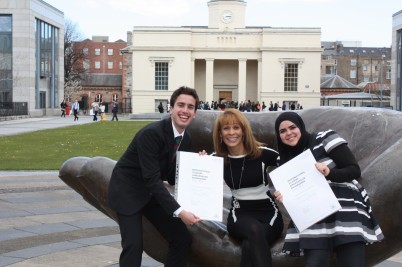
x,y
140,172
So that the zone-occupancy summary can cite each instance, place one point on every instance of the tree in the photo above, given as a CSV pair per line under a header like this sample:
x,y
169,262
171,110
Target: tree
x,y
74,58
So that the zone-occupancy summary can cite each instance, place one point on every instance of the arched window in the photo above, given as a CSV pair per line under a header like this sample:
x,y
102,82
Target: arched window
x,y
98,98
115,97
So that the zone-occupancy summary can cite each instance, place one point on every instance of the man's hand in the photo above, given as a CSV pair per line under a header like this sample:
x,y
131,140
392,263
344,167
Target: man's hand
x,y
188,217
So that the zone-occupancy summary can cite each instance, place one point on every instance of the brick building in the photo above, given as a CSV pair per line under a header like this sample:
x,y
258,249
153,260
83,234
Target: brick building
x,y
357,64
102,80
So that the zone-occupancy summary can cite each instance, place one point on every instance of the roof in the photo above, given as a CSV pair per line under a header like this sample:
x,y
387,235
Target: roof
x,y
373,87
335,81
110,80
360,95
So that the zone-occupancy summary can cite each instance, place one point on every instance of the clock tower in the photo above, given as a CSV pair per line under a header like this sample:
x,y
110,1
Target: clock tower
x,y
226,14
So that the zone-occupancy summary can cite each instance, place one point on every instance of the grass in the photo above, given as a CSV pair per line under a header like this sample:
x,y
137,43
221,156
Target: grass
x,y
48,149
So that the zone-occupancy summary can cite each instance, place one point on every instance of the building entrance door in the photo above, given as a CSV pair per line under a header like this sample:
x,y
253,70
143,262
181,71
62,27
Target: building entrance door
x,y
42,102
225,95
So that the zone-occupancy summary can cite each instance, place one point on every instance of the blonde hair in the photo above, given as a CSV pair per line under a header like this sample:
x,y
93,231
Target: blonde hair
x,y
234,116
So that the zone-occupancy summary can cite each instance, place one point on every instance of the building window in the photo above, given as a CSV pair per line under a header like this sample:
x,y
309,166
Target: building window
x,y
110,52
330,70
6,52
85,51
121,65
97,65
388,75
353,62
47,40
97,51
366,79
85,64
352,74
115,97
98,98
110,65
291,77
161,75
364,67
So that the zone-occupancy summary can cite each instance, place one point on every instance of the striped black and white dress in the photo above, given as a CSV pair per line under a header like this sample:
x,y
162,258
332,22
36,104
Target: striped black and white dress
x,y
251,197
355,221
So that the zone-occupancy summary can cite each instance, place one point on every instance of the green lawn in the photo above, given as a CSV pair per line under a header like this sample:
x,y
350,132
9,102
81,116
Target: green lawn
x,y
48,149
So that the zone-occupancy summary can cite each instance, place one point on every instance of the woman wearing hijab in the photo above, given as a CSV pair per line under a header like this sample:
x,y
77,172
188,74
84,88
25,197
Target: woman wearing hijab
x,y
254,217
345,232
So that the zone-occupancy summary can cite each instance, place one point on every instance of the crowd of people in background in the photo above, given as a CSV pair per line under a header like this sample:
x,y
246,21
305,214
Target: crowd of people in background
x,y
249,106
96,109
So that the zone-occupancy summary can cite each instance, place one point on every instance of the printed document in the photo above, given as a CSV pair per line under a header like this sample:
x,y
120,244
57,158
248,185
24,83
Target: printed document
x,y
306,193
199,184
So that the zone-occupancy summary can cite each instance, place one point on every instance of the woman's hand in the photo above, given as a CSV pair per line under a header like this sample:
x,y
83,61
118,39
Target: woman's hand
x,y
322,168
202,153
278,196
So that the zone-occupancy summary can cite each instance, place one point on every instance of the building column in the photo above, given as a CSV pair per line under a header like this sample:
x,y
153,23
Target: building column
x,y
209,80
192,81
242,79
259,79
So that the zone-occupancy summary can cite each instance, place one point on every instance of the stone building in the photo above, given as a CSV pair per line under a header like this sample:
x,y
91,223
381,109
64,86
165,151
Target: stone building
x,y
396,83
31,57
225,60
355,63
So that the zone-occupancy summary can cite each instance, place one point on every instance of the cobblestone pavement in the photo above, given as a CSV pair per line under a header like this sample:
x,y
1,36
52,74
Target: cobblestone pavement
x,y
44,223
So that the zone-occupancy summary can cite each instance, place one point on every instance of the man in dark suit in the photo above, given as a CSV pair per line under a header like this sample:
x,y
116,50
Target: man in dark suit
x,y
137,187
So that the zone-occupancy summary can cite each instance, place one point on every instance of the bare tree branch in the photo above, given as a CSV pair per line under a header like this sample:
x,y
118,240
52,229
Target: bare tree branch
x,y
74,58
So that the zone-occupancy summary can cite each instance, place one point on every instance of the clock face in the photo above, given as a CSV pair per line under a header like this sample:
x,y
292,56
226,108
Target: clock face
x,y
227,16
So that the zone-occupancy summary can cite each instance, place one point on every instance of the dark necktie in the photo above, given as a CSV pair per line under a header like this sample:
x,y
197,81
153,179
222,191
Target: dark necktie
x,y
176,145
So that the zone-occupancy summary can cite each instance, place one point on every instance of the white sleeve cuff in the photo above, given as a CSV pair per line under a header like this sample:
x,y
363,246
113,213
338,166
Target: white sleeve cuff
x,y
177,212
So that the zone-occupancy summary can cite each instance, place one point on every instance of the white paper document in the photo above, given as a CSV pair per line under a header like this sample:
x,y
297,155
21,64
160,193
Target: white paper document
x,y
199,184
307,196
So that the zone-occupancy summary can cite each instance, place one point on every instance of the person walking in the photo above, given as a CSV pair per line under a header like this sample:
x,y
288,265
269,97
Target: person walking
x,y
76,108
254,217
63,109
160,107
95,109
115,109
137,184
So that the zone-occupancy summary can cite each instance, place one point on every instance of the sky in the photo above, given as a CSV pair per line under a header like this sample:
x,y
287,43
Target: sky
x,y
365,21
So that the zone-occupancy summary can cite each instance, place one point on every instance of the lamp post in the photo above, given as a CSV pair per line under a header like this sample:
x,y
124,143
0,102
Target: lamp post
x,y
381,69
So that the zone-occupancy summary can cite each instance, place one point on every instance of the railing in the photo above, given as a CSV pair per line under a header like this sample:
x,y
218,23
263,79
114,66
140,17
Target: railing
x,y
13,109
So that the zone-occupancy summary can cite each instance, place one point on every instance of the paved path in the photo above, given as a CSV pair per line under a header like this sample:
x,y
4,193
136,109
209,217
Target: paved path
x,y
44,223
20,126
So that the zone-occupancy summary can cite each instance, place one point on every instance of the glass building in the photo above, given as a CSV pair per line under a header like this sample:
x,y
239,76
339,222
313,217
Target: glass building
x,y
31,56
